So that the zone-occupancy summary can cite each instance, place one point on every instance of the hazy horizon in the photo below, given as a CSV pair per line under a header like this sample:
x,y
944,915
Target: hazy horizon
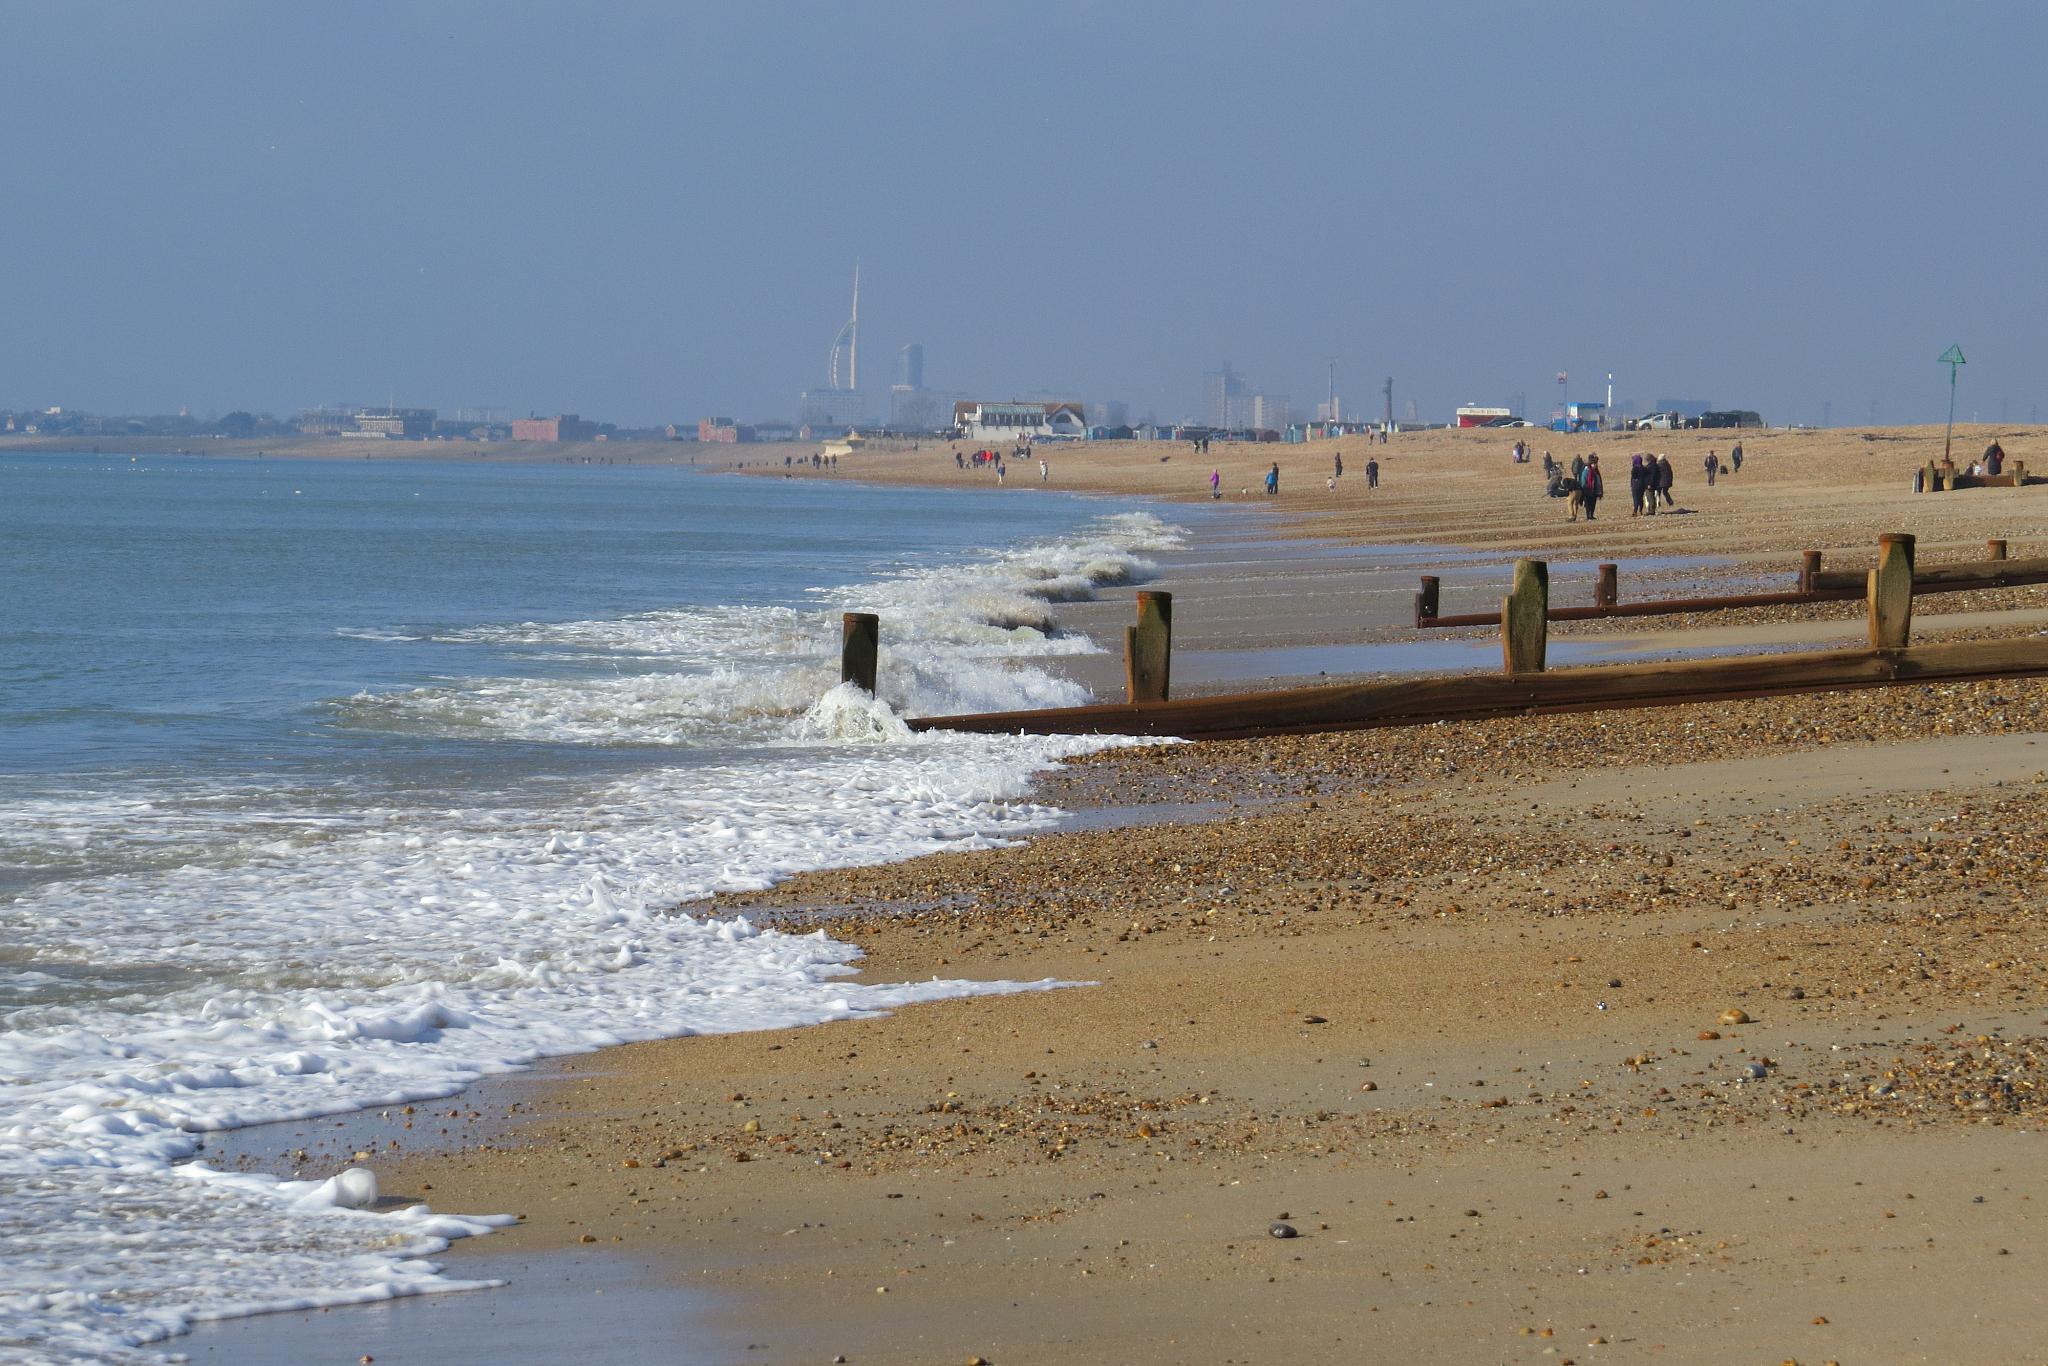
x,y
646,215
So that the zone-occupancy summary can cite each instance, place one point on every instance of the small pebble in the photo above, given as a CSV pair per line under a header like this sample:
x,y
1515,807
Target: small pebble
x,y
1279,1230
1734,1017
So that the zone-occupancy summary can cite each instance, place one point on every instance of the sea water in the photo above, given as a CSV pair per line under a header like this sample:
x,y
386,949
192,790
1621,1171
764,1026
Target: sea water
x,y
335,785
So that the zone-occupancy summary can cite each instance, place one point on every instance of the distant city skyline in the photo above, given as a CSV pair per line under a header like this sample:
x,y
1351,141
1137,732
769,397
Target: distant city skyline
x,y
1791,209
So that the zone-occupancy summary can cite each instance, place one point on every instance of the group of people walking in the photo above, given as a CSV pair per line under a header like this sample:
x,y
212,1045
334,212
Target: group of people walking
x,y
1650,479
1649,483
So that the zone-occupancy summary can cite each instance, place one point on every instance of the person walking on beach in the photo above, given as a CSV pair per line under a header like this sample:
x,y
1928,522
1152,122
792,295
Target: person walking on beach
x,y
1735,459
1372,473
1273,480
1044,474
1337,461
1216,483
1635,486
1661,483
1591,486
1578,468
1713,467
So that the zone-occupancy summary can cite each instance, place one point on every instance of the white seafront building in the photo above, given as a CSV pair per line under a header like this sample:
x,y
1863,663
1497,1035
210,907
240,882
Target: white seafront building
x,y
982,421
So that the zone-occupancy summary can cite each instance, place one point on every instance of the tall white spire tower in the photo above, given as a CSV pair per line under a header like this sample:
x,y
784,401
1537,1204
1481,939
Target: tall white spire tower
x,y
848,342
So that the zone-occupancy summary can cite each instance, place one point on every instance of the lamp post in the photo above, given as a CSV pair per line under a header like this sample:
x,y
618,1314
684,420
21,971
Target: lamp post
x,y
1952,358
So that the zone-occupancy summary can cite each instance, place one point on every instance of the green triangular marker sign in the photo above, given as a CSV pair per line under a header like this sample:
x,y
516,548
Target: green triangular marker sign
x,y
1952,356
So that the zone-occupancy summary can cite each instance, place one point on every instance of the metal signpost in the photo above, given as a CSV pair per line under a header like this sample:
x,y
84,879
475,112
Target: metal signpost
x,y
1951,358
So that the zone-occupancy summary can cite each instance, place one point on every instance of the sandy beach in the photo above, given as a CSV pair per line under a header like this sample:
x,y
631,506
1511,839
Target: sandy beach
x,y
1702,1034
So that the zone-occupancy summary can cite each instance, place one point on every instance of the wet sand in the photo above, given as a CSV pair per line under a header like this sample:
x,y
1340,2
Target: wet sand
x,y
1453,1004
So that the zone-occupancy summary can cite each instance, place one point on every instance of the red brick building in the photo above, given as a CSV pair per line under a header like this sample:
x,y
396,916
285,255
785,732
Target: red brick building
x,y
567,427
722,429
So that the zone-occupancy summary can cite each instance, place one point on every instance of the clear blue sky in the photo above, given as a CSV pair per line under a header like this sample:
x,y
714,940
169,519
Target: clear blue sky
x,y
650,211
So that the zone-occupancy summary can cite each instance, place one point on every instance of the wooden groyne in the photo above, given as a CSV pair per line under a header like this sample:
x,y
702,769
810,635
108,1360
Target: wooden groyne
x,y
1813,584
1525,687
1605,687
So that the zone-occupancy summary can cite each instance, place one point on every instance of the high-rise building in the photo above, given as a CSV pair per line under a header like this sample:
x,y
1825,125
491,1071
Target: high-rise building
x,y
917,410
910,366
826,408
1224,398
1270,412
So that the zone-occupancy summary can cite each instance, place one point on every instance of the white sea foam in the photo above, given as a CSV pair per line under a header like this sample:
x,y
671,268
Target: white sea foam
x,y
955,638
313,955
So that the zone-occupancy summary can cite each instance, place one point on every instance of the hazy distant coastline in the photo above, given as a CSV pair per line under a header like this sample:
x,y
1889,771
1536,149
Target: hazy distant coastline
x,y
339,448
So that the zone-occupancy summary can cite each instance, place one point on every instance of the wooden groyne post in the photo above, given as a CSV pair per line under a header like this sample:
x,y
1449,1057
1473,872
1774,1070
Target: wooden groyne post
x,y
1994,550
859,643
1524,618
1148,649
1607,586
1809,570
1426,600
1891,592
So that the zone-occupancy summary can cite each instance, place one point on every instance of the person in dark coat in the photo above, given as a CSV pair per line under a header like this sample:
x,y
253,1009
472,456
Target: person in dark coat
x,y
1662,483
1592,488
1713,467
1637,478
1735,459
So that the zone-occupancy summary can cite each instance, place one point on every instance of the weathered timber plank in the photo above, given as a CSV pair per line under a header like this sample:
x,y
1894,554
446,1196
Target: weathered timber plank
x,y
1410,702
